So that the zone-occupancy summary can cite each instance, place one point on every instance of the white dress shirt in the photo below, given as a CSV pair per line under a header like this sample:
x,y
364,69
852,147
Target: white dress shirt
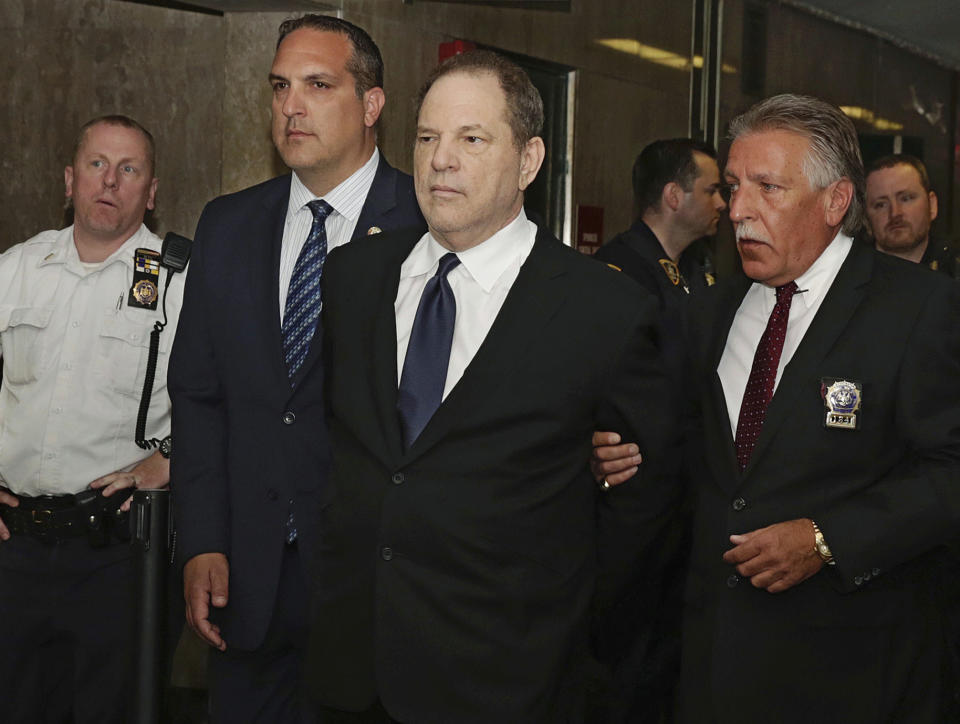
x,y
480,284
74,358
754,312
347,200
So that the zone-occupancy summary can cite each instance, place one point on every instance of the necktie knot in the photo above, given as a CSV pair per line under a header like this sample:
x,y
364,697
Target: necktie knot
x,y
447,263
786,292
320,209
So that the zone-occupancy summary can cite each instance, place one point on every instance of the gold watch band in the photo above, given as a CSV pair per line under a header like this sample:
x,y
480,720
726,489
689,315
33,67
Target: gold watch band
x,y
821,547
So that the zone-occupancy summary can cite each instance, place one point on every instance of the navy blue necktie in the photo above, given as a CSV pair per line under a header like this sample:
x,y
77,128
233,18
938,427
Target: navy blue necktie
x,y
428,353
304,294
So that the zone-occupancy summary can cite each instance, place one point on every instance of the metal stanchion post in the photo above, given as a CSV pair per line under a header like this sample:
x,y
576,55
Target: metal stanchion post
x,y
150,535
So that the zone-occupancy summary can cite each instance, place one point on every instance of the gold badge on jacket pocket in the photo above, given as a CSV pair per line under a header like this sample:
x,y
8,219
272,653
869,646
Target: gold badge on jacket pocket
x,y
842,399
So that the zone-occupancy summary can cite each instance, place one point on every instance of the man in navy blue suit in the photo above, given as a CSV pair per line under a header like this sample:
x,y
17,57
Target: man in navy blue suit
x,y
251,443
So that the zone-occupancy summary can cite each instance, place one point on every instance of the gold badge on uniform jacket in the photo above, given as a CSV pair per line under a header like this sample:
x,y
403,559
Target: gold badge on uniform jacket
x,y
146,274
673,274
671,270
842,399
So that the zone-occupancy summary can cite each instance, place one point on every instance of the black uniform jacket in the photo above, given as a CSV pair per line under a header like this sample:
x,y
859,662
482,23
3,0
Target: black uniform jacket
x,y
638,254
942,258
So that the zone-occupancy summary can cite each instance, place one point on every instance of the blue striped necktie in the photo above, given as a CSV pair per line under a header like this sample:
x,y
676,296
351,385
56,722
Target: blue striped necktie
x,y
304,293
428,353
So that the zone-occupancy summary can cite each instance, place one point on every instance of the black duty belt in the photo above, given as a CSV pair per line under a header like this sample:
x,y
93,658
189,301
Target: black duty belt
x,y
56,518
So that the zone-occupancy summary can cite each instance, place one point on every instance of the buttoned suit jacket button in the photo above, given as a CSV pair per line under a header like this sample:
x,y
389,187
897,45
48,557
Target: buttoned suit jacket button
x,y
733,580
739,504
397,479
386,553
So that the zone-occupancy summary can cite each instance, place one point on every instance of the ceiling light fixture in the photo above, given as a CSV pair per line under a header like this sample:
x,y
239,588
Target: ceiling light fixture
x,y
657,55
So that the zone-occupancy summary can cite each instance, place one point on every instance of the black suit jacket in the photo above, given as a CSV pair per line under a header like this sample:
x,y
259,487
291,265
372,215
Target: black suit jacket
x,y
860,641
246,442
458,575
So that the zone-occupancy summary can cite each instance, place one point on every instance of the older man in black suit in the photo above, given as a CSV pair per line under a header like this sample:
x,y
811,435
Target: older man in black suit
x,y
829,383
467,368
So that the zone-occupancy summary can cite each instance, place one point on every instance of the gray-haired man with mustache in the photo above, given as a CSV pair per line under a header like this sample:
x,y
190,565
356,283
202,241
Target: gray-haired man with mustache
x,y
826,476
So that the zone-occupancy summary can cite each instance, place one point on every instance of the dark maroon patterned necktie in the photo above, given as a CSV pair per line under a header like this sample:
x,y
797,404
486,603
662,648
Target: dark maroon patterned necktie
x,y
763,374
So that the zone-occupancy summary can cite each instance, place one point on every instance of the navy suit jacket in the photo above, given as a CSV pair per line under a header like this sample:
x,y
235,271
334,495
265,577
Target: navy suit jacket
x,y
249,446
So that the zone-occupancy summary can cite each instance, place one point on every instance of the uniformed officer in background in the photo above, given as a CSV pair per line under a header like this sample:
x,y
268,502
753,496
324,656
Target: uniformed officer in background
x,y
901,206
76,310
676,186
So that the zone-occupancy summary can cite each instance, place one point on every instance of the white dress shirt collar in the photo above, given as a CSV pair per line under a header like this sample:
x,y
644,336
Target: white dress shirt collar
x,y
344,197
485,262
480,285
347,200
64,251
813,284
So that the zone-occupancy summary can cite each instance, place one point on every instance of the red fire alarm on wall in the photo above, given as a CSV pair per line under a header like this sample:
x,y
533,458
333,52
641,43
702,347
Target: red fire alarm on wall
x,y
454,47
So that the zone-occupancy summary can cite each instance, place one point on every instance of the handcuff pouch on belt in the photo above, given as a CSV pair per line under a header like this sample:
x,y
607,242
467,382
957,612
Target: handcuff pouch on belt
x,y
103,517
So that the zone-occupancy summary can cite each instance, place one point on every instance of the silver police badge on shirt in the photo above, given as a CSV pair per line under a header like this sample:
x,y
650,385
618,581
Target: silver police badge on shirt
x,y
842,399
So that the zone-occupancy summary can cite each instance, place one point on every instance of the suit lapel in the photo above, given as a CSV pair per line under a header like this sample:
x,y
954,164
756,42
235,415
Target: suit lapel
x,y
385,348
265,232
381,198
717,419
532,301
838,306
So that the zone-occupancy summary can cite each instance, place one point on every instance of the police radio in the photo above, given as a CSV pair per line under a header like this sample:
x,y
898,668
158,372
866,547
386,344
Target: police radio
x,y
174,255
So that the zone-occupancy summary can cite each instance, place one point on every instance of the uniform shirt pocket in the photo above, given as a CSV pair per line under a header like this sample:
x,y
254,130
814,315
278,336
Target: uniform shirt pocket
x,y
22,342
125,348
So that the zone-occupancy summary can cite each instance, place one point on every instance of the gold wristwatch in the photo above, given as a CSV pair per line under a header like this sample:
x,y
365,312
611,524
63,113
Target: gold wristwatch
x,y
821,547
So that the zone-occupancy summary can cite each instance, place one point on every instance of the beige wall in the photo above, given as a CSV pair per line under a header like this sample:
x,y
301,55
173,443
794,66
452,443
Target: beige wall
x,y
199,83
65,62
806,54
607,137
622,101
248,153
